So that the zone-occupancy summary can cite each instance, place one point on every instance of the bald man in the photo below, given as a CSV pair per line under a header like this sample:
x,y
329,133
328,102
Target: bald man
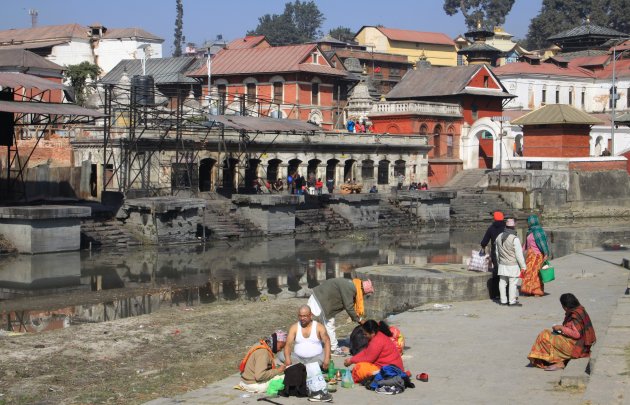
x,y
308,340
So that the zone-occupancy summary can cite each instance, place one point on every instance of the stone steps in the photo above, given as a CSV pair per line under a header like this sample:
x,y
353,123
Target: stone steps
x,y
106,233
478,206
467,179
221,221
319,220
391,215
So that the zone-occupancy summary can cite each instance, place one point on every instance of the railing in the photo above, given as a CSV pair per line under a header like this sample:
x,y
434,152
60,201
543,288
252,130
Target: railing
x,y
390,107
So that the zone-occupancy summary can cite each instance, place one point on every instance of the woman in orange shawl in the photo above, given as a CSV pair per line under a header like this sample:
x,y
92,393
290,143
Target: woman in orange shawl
x,y
571,340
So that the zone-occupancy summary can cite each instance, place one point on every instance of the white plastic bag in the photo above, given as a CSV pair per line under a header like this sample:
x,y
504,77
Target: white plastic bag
x,y
479,263
314,378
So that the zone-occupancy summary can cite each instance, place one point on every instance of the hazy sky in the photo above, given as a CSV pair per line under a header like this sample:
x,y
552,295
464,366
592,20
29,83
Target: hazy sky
x,y
204,19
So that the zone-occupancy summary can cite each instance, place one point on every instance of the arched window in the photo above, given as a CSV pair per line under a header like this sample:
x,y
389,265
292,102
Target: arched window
x,y
367,169
437,131
424,129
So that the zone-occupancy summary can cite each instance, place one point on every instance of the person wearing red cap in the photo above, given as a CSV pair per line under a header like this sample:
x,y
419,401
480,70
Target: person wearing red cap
x,y
335,295
490,236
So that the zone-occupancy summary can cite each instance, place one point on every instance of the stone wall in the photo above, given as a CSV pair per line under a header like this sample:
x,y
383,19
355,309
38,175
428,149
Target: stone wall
x,y
164,220
361,210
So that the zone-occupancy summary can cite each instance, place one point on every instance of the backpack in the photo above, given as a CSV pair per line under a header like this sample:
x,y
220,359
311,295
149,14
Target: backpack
x,y
294,381
262,345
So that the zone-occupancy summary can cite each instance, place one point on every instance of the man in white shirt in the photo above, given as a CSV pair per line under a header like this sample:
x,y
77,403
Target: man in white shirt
x,y
511,262
308,340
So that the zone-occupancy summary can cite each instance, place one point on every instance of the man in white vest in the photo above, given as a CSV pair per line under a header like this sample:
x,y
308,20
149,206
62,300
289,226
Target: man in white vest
x,y
307,341
511,263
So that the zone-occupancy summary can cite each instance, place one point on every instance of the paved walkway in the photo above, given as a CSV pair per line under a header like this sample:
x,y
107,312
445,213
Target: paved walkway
x,y
475,352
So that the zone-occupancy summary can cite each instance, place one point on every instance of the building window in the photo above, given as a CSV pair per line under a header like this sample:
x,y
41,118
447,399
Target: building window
x,y
340,92
485,81
583,99
460,60
251,93
544,96
277,92
222,89
628,98
437,131
315,93
570,96
367,170
315,57
557,96
449,145
423,129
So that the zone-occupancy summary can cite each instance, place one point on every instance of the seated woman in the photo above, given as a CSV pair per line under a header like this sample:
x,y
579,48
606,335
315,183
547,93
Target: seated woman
x,y
381,350
571,340
258,366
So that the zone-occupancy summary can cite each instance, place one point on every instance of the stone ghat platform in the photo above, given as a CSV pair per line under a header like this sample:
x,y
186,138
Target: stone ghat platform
x,y
401,287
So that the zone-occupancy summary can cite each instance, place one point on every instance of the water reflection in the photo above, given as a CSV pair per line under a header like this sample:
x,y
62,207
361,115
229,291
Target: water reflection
x,y
249,269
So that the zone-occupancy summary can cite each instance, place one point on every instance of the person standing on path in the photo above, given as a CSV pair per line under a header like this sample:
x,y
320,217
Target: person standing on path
x,y
497,226
511,262
537,252
335,295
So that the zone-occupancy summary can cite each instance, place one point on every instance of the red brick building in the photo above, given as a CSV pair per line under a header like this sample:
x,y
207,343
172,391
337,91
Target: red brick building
x,y
445,103
295,82
556,130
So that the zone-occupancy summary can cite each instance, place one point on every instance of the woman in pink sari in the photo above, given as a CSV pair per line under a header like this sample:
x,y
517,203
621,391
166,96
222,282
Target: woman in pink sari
x,y
537,252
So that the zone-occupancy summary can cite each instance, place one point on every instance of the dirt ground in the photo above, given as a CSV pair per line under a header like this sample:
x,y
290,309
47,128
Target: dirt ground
x,y
133,360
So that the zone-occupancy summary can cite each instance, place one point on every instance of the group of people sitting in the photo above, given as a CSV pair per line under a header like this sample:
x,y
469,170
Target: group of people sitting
x,y
553,347
418,186
314,341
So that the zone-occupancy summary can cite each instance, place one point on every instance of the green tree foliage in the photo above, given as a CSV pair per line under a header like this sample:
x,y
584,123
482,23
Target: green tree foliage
x,y
491,13
559,15
342,34
299,23
78,75
179,28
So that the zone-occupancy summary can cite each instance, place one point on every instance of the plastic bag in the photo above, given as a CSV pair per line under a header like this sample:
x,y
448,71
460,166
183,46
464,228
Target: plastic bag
x,y
314,378
346,380
479,262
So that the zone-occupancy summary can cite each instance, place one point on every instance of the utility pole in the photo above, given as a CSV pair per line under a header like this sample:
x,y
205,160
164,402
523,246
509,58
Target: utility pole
x,y
33,13
500,119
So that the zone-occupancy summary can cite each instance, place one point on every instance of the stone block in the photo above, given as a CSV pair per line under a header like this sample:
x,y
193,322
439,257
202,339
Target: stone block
x,y
575,374
43,229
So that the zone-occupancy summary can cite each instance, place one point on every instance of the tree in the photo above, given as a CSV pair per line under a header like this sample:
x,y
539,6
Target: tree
x,y
179,27
79,76
299,23
558,15
490,13
344,34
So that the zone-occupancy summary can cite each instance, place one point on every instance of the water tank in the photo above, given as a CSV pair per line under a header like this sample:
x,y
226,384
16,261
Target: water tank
x,y
143,90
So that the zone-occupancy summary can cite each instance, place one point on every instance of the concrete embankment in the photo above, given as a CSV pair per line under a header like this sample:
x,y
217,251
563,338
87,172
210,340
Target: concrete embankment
x,y
475,351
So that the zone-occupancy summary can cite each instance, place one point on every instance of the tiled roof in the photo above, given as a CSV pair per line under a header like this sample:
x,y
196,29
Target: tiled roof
x,y
416,36
277,59
43,33
440,82
555,114
117,33
598,60
246,42
163,70
583,53
622,69
623,118
587,29
377,56
26,59
519,68
14,79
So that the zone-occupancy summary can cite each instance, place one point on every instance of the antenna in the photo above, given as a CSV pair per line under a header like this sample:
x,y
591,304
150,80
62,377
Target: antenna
x,y
33,13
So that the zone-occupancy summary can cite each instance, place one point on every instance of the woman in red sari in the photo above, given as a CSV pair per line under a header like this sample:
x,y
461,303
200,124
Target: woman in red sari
x,y
571,340
537,252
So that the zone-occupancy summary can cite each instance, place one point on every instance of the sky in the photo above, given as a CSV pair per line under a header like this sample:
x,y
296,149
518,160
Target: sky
x,y
205,19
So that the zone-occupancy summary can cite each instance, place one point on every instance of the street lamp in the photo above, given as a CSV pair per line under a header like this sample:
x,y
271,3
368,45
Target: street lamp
x,y
500,119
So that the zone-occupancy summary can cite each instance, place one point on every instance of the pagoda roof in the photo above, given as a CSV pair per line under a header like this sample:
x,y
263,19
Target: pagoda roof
x,y
557,114
587,30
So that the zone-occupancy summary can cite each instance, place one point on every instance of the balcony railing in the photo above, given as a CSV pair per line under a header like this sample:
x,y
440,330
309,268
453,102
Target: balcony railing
x,y
397,107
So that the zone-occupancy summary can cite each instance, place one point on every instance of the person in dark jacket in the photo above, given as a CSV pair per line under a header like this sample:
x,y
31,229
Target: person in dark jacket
x,y
496,228
335,295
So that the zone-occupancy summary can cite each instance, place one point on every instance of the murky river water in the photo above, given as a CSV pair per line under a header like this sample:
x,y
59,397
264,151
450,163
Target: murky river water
x,y
54,290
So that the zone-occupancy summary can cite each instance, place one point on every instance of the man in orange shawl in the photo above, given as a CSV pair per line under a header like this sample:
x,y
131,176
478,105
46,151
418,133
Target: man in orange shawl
x,y
335,295
571,340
